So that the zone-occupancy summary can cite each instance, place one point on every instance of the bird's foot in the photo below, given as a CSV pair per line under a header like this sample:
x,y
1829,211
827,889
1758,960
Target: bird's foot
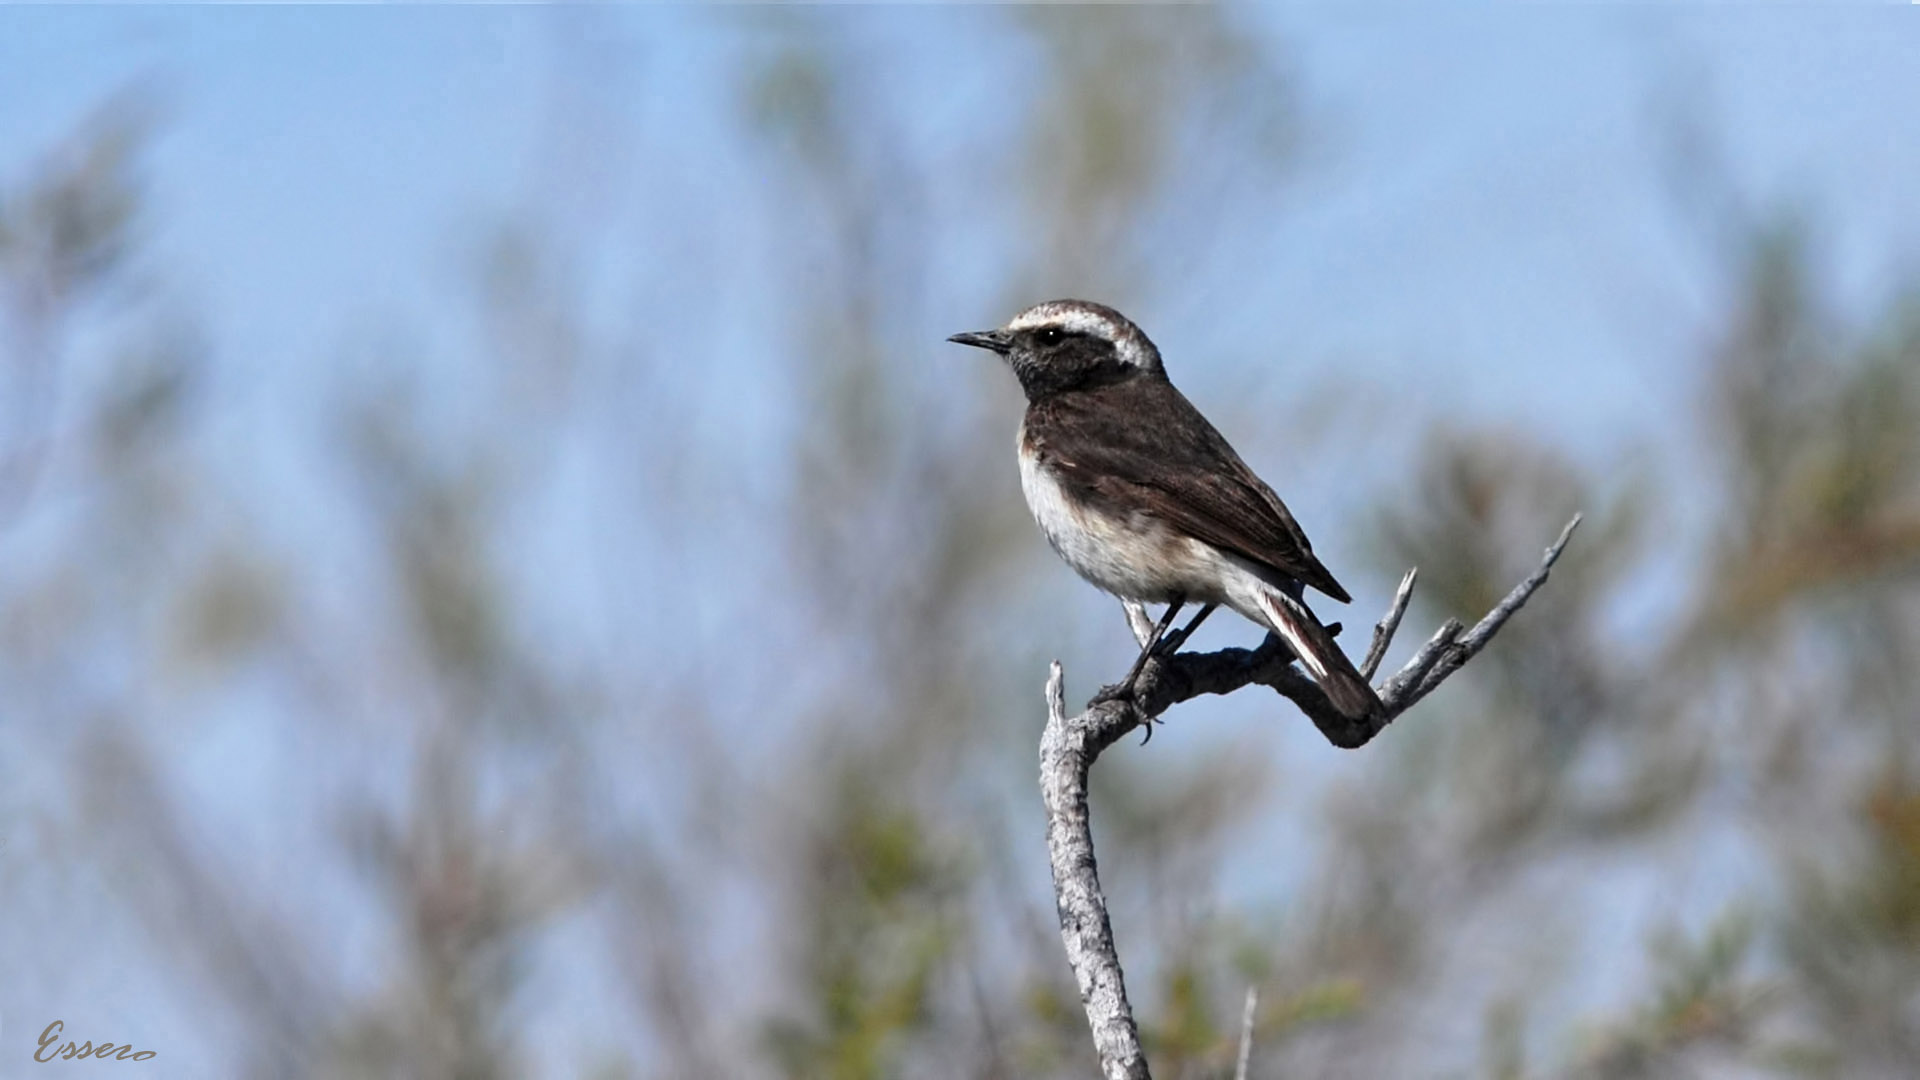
x,y
1124,692
1120,691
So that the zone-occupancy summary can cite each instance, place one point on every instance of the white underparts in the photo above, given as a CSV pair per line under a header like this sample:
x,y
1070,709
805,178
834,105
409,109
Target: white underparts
x,y
1126,557
1138,557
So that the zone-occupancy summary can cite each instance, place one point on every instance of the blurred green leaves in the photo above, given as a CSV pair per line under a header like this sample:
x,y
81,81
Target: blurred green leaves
x,y
1822,447
1702,996
882,897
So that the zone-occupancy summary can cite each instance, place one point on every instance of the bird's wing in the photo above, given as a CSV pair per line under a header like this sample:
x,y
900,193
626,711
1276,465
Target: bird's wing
x,y
1178,468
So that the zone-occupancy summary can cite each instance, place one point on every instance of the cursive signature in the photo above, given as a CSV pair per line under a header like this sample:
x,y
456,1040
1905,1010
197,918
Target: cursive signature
x,y
51,1036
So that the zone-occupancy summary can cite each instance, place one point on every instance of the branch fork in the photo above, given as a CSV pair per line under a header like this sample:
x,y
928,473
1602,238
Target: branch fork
x,y
1070,745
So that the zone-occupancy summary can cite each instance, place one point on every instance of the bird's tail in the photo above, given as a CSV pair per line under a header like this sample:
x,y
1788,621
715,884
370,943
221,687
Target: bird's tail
x,y
1320,655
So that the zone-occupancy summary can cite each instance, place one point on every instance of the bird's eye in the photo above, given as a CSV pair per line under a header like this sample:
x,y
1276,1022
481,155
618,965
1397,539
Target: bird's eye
x,y
1050,336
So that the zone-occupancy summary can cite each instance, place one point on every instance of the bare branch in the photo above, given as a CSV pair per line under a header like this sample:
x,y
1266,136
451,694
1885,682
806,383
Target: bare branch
x,y
1067,750
1384,630
1422,664
1253,992
1069,747
1482,633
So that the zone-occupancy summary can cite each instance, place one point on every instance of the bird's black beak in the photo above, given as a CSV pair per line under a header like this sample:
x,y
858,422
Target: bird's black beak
x,y
997,340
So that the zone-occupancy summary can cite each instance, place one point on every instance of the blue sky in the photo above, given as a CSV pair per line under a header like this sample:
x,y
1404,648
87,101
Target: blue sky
x,y
1497,174
319,164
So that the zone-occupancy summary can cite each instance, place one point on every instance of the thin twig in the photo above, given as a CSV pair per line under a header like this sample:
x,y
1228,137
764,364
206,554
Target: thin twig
x,y
1483,631
1394,693
1383,631
1452,659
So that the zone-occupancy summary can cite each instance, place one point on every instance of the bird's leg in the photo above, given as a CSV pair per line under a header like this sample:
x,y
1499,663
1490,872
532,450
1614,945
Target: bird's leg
x,y
1174,640
1125,686
1167,645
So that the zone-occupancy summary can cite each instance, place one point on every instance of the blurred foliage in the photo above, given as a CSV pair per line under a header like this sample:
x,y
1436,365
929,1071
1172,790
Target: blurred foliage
x,y
1700,999
71,224
1822,432
881,903
853,888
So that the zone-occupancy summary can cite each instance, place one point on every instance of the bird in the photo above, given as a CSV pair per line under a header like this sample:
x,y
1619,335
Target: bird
x,y
1146,500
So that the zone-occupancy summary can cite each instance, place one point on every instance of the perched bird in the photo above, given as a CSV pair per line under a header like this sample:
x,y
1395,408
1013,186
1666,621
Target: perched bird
x,y
1141,496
